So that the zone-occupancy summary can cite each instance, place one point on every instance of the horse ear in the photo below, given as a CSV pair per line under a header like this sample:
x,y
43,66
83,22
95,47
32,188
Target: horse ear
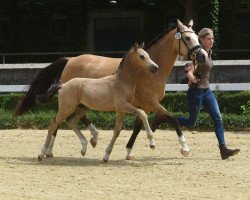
x,y
191,23
136,46
180,25
142,45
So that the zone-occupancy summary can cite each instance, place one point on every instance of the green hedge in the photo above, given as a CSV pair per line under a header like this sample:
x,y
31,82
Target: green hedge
x,y
235,109
229,102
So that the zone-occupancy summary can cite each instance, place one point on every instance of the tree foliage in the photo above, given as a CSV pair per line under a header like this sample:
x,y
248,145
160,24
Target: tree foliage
x,y
214,13
30,22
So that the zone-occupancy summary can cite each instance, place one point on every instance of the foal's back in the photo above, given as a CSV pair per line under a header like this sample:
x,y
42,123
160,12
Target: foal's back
x,y
94,93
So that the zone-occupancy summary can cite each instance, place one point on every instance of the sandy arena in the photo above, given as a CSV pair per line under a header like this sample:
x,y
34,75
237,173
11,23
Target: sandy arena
x,y
155,174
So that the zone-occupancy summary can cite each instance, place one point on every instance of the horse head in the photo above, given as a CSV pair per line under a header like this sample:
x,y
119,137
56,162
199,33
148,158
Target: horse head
x,y
141,59
188,39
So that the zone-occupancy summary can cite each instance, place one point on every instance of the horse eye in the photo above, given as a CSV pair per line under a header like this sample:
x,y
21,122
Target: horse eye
x,y
187,38
142,56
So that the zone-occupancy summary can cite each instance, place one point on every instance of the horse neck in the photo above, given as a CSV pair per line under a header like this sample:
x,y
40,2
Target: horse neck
x,y
164,52
127,72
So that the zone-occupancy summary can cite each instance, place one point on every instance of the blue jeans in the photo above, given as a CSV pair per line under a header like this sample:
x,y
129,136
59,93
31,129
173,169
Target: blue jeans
x,y
197,97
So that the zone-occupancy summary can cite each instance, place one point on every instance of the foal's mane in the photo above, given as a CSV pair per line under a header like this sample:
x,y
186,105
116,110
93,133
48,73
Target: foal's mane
x,y
120,67
159,37
124,57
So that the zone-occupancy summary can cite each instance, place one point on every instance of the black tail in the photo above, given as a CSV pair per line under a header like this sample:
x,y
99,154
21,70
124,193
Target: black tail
x,y
41,83
44,98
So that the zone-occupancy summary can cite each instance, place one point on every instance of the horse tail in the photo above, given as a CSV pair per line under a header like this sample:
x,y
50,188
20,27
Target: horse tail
x,y
40,84
44,98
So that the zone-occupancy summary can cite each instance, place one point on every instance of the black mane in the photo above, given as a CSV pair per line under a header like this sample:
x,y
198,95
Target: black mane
x,y
148,45
159,37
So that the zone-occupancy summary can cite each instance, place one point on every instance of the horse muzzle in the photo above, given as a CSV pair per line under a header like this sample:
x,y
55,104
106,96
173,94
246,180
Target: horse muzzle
x,y
154,68
201,56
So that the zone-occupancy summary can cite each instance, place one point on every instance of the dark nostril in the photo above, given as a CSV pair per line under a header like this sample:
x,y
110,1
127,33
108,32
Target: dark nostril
x,y
154,68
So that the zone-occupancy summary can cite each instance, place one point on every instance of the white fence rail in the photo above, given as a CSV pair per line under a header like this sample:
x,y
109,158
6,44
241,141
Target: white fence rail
x,y
213,86
169,87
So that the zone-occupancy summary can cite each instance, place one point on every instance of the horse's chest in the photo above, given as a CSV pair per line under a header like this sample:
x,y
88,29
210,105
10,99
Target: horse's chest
x,y
150,90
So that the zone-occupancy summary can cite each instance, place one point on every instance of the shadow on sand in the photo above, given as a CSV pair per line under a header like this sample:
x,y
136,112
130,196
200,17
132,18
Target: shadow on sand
x,y
86,162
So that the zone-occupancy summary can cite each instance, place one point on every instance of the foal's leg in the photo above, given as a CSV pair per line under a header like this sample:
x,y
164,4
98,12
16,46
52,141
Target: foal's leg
x,y
52,128
72,119
94,132
117,130
66,107
129,108
49,153
80,113
137,128
144,117
90,126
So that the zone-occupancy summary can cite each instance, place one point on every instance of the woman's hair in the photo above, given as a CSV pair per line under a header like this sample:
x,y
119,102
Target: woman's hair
x,y
204,32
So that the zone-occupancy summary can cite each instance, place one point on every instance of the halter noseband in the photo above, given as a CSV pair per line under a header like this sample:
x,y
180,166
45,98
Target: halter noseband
x,y
191,52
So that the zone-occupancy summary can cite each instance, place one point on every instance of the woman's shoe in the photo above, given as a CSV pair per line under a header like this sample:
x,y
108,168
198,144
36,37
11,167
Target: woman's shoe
x,y
225,152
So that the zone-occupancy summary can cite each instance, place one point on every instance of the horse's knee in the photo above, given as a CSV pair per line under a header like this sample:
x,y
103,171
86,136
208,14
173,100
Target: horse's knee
x,y
142,115
54,124
71,122
85,121
164,118
158,120
117,132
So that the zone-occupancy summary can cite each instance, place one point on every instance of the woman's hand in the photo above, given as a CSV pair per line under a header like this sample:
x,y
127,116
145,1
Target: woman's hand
x,y
193,79
189,70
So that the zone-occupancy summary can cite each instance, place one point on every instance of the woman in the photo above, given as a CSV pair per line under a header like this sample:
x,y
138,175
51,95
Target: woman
x,y
199,93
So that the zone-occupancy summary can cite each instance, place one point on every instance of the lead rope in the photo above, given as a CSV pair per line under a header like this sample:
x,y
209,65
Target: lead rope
x,y
194,61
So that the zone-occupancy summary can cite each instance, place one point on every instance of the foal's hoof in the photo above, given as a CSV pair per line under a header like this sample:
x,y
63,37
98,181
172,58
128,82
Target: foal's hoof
x,y
93,142
106,158
184,153
130,157
152,144
83,153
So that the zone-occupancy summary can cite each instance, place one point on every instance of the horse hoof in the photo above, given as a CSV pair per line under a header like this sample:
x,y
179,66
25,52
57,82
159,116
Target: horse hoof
x,y
83,153
130,157
152,146
93,142
49,155
106,158
184,153
40,158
